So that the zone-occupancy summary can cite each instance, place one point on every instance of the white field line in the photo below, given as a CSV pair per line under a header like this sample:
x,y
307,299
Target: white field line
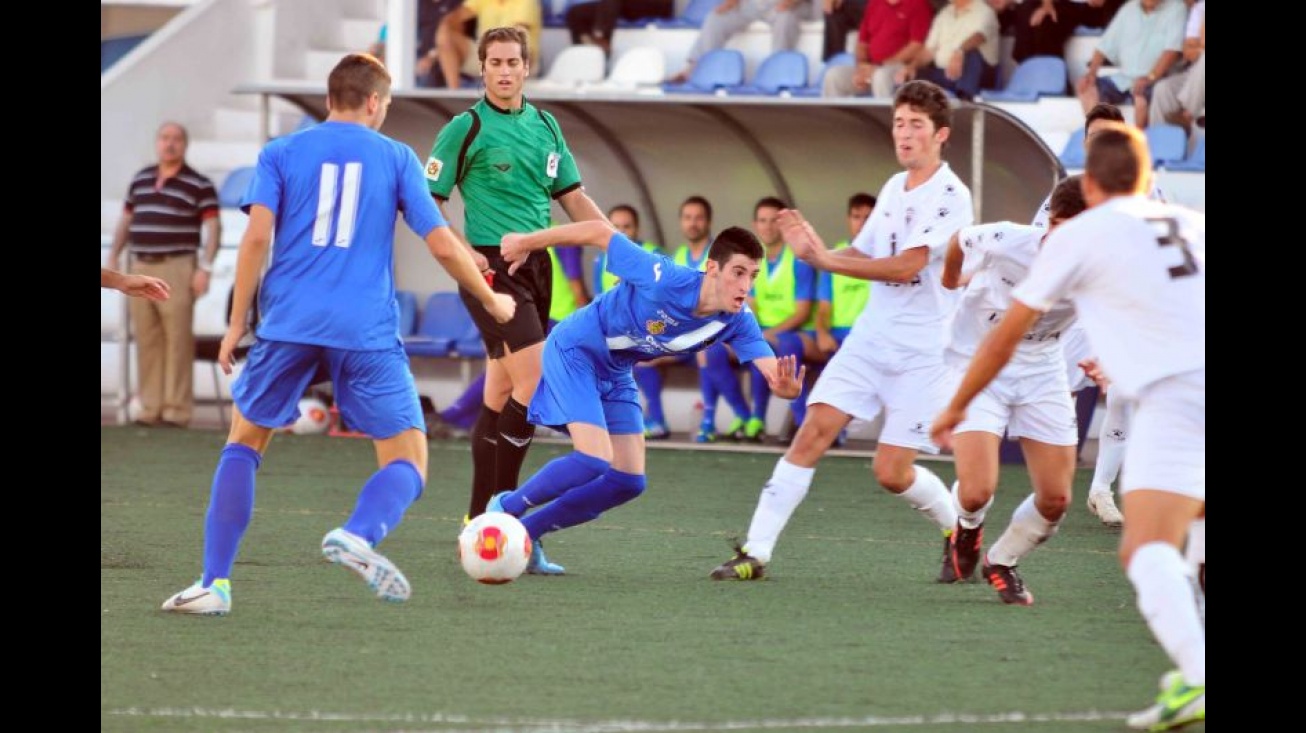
x,y
547,725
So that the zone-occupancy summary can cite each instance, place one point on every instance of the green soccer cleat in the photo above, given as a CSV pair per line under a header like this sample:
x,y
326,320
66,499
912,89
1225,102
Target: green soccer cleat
x,y
1179,704
754,430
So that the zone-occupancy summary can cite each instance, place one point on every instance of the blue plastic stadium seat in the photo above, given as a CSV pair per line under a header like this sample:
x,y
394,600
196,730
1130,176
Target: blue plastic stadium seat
x,y
443,321
780,73
234,187
1196,160
1168,143
719,69
844,58
692,17
1072,155
1035,77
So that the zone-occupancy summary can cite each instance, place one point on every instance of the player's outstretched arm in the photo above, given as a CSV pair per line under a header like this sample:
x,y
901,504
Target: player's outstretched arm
x,y
783,375
515,248
139,286
580,207
952,261
993,353
457,261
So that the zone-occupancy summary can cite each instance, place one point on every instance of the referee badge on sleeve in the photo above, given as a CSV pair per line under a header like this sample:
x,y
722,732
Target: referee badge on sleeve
x,y
433,167
551,168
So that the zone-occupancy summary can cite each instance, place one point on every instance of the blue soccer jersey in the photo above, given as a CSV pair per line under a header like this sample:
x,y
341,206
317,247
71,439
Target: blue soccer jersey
x,y
586,375
333,189
651,314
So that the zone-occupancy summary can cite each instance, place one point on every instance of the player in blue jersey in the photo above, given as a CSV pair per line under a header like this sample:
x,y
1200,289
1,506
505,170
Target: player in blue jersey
x,y
327,303
659,308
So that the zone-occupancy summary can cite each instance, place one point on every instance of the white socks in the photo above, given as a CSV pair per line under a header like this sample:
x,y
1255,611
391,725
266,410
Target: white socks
x,y
780,497
930,497
1168,604
1028,529
1111,443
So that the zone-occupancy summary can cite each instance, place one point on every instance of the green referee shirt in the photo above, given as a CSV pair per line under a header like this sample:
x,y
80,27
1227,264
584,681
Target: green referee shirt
x,y
508,165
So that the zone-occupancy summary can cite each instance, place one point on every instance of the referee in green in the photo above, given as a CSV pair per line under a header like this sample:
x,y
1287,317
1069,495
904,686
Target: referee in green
x,y
510,160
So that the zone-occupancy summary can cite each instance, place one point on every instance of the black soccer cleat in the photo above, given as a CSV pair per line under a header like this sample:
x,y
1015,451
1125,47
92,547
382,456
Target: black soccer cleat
x,y
1007,582
966,547
740,567
947,569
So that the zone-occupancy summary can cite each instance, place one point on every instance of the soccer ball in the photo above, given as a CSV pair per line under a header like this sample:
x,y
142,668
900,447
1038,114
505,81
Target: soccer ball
x,y
314,417
494,548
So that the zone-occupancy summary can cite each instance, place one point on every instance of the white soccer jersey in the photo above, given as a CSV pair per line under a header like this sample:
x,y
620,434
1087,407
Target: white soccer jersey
x,y
1044,214
904,324
997,257
1136,271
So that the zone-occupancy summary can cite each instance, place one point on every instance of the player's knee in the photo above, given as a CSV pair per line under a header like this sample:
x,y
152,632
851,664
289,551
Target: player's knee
x,y
626,486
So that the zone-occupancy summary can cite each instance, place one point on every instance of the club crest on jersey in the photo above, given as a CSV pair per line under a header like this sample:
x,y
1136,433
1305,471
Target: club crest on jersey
x,y
433,168
655,328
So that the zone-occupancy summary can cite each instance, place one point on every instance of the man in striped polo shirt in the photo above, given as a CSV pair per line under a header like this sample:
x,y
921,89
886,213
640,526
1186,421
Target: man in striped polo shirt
x,y
168,205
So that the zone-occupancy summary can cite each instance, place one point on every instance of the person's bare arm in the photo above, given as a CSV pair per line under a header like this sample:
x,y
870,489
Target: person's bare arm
x,y
782,374
809,247
482,264
138,286
515,248
250,259
952,261
452,254
579,206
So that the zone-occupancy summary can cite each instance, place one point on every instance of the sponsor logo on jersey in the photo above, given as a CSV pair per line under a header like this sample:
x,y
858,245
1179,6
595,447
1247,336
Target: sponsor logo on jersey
x,y
433,168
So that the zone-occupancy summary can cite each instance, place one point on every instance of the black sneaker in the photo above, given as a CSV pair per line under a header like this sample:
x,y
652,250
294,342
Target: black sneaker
x,y
740,567
966,546
1007,582
948,570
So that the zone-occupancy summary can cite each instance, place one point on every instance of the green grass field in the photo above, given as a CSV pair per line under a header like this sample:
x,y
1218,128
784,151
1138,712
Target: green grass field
x,y
851,632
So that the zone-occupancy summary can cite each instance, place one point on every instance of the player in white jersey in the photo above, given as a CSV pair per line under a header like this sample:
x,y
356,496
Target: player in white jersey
x,y
892,361
1115,424
1029,400
1135,270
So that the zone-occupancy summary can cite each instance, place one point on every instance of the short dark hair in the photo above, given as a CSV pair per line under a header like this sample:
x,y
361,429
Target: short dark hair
x,y
1118,159
696,199
1068,198
355,78
768,202
634,215
927,98
733,241
1103,111
861,198
504,34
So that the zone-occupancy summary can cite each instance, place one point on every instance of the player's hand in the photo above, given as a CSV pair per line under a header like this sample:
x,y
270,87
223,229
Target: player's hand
x,y
199,283
235,332
145,286
1094,371
943,425
481,261
513,250
501,307
787,382
796,233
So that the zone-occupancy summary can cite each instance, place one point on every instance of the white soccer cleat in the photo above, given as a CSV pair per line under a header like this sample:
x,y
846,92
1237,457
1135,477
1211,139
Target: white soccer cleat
x,y
1178,705
355,553
214,600
1103,506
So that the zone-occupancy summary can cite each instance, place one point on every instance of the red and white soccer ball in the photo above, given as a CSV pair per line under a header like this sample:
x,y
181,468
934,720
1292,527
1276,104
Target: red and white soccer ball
x,y
494,548
314,417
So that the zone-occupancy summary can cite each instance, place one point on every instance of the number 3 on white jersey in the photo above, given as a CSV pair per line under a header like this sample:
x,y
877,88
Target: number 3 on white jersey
x,y
326,203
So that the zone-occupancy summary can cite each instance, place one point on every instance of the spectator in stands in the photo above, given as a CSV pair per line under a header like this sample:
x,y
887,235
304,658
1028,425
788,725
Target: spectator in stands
x,y
892,33
429,14
961,51
457,51
841,18
171,228
733,16
1037,27
716,375
1181,98
648,374
1143,41
137,286
594,22
839,300
781,301
1095,14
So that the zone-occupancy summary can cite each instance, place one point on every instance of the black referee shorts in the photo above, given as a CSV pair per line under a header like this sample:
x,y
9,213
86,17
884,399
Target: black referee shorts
x,y
531,287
